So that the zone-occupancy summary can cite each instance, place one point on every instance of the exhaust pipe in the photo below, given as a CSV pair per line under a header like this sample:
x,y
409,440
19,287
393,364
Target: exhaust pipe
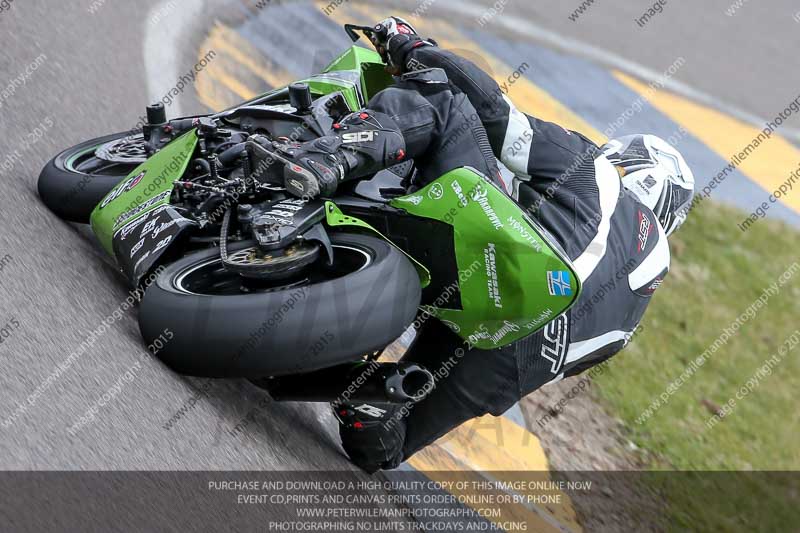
x,y
396,383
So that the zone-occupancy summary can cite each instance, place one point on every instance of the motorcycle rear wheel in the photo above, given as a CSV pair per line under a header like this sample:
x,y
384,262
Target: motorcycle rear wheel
x,y
222,325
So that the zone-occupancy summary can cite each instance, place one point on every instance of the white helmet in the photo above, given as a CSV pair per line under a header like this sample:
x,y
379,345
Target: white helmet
x,y
656,173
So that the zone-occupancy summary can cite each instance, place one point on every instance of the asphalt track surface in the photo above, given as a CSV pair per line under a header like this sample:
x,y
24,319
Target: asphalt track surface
x,y
56,285
745,61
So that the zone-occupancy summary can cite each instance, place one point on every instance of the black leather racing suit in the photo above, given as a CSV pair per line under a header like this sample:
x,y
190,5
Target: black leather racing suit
x,y
619,249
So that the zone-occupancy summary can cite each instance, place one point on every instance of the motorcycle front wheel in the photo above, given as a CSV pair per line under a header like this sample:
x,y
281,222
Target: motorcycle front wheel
x,y
76,180
215,323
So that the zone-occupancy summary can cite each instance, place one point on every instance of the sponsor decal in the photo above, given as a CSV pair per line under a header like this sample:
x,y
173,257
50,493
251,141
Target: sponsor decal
x,y
490,260
148,227
558,283
539,320
451,325
414,64
281,221
282,213
163,243
645,228
162,227
137,247
505,329
127,230
650,289
554,343
359,137
517,225
279,213
436,191
480,195
416,200
287,207
370,410
123,188
293,201
649,182
142,207
462,198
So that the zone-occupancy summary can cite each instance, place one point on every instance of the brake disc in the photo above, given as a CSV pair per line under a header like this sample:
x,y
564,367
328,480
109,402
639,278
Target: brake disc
x,y
127,150
276,264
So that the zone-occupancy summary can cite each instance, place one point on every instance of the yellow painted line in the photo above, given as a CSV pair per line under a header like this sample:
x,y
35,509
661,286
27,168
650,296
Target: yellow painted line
x,y
209,91
215,95
232,83
487,443
218,87
493,444
239,72
527,96
769,165
496,443
209,95
225,39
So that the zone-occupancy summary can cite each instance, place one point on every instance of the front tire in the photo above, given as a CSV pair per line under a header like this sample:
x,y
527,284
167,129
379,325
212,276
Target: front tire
x,y
363,303
75,181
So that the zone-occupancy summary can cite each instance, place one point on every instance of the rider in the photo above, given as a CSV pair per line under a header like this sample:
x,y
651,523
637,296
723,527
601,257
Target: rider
x,y
611,210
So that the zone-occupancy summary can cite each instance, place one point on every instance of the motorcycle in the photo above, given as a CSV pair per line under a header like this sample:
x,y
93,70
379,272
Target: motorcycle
x,y
299,294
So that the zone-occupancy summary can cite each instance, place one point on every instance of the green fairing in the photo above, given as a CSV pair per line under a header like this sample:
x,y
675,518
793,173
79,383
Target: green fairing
x,y
358,73
334,217
369,63
161,170
504,261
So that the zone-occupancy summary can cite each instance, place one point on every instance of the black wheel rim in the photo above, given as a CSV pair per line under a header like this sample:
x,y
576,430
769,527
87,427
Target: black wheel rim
x,y
121,157
209,278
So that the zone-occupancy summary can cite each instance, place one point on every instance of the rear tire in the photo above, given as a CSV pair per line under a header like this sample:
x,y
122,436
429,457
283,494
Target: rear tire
x,y
288,330
72,194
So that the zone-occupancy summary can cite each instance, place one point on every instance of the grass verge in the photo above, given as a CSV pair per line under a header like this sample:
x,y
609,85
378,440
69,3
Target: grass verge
x,y
700,398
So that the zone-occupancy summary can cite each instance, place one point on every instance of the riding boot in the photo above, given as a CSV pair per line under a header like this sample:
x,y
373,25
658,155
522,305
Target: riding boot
x,y
360,145
372,434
